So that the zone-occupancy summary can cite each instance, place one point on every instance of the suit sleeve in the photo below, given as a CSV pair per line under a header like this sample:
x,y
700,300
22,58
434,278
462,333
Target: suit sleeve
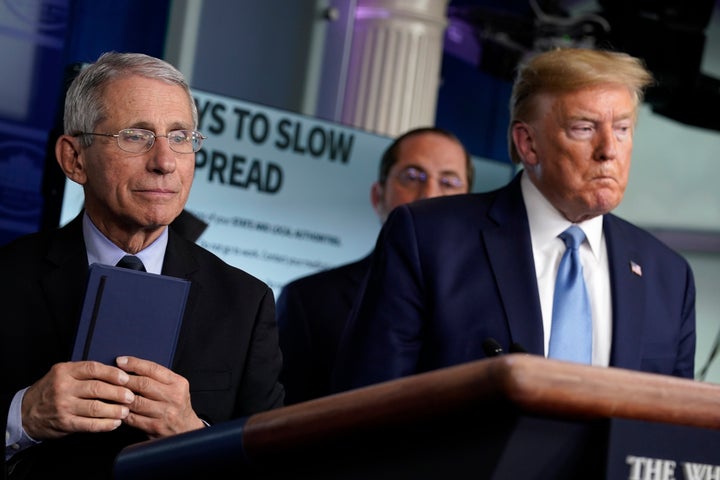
x,y
383,336
261,390
685,365
296,375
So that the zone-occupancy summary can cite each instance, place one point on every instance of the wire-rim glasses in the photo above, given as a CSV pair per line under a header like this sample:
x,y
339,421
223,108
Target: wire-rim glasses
x,y
414,178
139,140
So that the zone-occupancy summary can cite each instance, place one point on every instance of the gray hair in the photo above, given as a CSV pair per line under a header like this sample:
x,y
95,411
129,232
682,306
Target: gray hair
x,y
84,103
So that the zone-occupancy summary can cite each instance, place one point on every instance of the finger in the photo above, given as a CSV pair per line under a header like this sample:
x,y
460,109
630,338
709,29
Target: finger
x,y
148,408
73,424
106,392
51,418
146,368
96,425
89,370
146,387
158,419
99,410
177,392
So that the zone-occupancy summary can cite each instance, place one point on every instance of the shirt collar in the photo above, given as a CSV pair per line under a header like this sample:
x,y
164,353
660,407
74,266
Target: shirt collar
x,y
546,222
101,250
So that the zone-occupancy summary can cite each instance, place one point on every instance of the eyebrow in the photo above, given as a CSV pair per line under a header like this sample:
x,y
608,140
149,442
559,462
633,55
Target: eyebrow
x,y
589,118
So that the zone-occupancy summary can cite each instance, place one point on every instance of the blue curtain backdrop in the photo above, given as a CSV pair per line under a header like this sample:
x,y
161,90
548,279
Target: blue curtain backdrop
x,y
38,40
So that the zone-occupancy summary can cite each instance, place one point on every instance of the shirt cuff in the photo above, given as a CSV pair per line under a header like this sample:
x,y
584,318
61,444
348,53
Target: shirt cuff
x,y
16,439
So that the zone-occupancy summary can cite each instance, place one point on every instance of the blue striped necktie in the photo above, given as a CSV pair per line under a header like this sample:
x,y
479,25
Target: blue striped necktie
x,y
571,330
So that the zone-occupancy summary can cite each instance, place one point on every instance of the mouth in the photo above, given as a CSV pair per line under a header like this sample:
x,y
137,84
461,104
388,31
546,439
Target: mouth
x,y
604,178
156,192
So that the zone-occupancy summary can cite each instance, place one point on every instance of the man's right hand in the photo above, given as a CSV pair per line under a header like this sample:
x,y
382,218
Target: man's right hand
x,y
73,397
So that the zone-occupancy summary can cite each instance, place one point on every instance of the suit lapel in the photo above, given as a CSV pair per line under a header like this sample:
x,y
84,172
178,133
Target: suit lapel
x,y
628,293
180,262
510,254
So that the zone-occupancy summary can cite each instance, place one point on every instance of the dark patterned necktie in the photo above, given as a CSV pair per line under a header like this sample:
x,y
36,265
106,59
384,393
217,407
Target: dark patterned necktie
x,y
131,262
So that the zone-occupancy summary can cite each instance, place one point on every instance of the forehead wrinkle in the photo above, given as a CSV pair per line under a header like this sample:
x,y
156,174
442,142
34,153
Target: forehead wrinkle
x,y
151,127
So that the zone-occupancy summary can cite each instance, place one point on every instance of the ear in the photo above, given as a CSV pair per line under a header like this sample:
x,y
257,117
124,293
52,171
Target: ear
x,y
377,197
524,140
70,158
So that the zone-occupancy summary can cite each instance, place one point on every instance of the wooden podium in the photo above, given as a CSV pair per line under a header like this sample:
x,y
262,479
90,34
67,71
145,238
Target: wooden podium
x,y
511,417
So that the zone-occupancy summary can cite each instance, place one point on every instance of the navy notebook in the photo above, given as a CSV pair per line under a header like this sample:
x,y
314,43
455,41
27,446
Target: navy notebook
x,y
127,312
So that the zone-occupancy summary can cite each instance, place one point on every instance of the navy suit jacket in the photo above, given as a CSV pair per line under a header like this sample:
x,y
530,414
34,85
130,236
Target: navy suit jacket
x,y
449,273
311,314
227,349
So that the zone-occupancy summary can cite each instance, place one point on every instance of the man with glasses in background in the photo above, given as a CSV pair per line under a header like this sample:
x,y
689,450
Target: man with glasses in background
x,y
311,311
130,141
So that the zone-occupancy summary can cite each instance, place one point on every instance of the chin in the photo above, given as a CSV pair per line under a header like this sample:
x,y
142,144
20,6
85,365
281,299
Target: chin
x,y
162,216
604,207
607,198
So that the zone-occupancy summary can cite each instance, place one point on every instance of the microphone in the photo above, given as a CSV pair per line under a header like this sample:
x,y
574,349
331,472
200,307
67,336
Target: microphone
x,y
492,347
517,348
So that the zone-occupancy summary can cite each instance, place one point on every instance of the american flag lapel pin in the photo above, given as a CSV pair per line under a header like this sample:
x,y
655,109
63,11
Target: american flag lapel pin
x,y
635,268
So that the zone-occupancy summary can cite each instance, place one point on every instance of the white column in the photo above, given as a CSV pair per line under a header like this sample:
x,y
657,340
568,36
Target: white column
x,y
182,35
394,69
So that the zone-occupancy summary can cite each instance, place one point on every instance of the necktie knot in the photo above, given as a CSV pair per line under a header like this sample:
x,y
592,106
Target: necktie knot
x,y
573,237
131,262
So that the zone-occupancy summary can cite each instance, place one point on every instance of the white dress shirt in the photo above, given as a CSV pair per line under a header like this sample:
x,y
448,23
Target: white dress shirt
x,y
546,223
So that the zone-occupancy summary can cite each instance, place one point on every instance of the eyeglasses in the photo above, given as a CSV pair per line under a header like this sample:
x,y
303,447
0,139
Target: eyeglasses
x,y
139,140
412,177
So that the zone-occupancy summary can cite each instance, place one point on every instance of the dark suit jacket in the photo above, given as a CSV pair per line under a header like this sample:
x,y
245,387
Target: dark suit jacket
x,y
311,315
227,348
450,272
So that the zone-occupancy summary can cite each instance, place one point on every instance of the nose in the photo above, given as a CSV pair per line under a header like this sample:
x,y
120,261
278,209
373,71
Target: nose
x,y
162,159
431,188
606,147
